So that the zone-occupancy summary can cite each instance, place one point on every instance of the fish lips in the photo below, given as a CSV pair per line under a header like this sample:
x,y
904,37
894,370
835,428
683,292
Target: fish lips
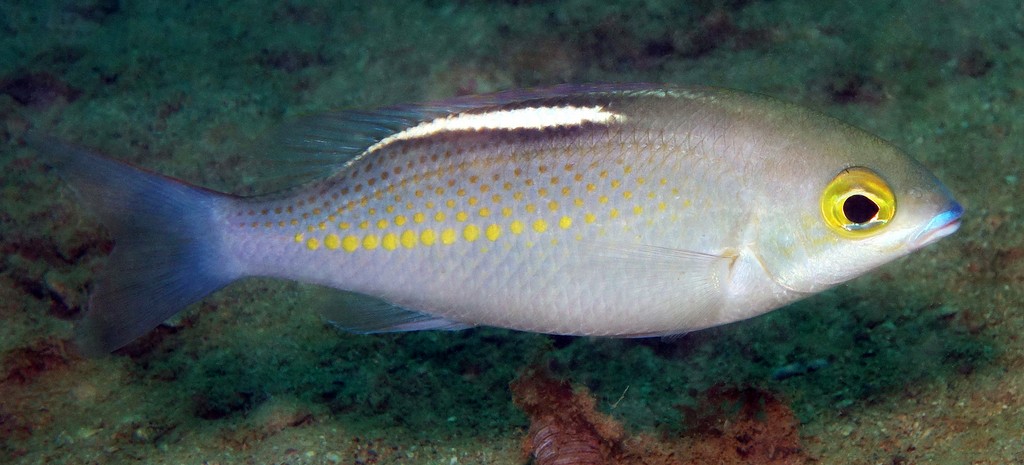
x,y
940,226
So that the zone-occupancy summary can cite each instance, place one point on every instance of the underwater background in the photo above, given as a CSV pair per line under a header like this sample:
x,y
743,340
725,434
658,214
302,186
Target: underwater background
x,y
920,362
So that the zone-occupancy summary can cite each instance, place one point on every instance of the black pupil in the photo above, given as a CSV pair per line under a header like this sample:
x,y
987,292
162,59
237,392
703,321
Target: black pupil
x,y
859,209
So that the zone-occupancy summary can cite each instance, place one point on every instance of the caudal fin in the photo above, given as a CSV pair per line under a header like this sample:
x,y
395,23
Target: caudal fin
x,y
164,257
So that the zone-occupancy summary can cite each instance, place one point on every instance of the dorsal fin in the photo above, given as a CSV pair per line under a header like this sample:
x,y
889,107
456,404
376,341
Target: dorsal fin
x,y
319,146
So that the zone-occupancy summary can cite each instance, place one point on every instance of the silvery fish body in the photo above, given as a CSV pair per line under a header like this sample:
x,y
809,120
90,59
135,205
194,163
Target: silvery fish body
x,y
628,210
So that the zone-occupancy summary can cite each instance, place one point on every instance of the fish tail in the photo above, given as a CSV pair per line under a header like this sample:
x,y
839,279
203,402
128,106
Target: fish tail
x,y
165,255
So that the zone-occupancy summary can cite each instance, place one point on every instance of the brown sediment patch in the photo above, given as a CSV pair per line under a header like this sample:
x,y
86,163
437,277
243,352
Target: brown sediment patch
x,y
25,364
729,426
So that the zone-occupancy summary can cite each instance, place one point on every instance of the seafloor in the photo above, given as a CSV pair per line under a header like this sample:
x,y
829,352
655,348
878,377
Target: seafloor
x,y
920,362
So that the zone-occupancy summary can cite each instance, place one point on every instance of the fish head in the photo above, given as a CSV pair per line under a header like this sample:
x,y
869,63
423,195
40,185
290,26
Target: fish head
x,y
859,203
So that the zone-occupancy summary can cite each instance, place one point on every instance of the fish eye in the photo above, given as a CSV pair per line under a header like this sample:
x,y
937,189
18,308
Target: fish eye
x,y
857,203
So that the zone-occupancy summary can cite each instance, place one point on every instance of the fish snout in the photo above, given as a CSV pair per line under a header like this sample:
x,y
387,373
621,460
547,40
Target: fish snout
x,y
945,223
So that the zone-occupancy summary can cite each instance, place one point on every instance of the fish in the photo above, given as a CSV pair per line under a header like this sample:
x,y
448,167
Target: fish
x,y
623,210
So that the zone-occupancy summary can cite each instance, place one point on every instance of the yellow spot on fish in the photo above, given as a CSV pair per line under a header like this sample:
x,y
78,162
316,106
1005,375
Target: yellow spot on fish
x,y
565,222
428,237
390,209
371,241
530,208
614,213
517,196
589,218
461,192
661,206
566,190
408,238
461,216
638,210
552,205
382,224
577,202
344,226
350,243
471,232
540,225
603,199
449,203
663,181
542,192
591,187
439,217
364,225
332,241
299,237
448,236
473,201
493,231
400,220
516,227
312,244
616,183
418,217
389,241
372,211
485,212
627,194
506,212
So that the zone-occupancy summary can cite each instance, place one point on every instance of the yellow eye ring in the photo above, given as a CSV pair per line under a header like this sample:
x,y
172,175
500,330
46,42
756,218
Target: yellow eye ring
x,y
857,203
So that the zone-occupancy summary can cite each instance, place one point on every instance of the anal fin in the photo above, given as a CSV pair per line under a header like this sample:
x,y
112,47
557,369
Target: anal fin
x,y
364,314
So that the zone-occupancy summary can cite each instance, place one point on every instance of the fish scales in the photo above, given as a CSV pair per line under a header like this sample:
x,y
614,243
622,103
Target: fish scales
x,y
504,215
603,210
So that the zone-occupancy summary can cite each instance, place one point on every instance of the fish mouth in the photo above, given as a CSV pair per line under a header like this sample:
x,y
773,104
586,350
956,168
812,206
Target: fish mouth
x,y
940,226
